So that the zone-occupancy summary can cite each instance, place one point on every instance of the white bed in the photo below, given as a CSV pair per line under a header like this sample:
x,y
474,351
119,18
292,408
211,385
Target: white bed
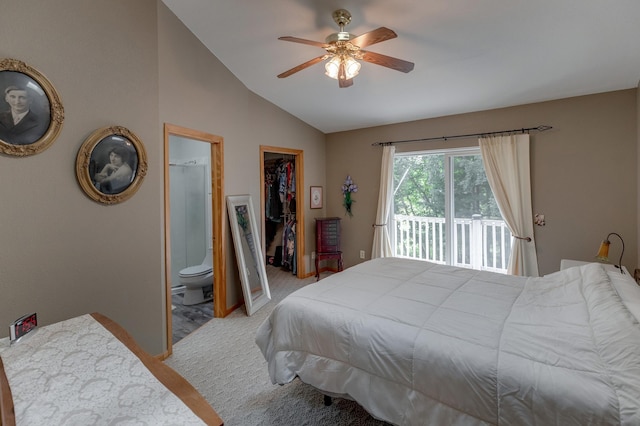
x,y
89,371
417,343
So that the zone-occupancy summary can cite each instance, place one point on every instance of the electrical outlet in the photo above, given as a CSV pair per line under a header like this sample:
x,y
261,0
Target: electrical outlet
x,y
313,255
361,254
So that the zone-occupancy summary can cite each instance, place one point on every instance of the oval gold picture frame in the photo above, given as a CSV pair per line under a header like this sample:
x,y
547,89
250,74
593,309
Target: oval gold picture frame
x,y
36,130
111,165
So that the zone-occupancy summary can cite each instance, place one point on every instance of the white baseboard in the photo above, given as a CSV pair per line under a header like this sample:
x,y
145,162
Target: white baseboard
x,y
178,289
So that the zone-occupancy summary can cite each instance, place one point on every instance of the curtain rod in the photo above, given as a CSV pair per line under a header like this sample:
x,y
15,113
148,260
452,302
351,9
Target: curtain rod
x,y
538,128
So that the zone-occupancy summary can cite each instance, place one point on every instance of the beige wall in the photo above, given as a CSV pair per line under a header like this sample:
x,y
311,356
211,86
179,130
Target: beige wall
x,y
197,91
62,254
584,172
117,62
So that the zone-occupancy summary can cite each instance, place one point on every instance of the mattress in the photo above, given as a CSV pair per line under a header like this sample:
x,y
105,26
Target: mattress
x,y
88,370
418,343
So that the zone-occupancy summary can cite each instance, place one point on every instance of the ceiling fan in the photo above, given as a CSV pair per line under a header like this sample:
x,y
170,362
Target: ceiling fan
x,y
344,49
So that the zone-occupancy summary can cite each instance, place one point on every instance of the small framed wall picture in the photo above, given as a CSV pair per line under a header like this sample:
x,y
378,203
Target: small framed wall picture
x,y
316,197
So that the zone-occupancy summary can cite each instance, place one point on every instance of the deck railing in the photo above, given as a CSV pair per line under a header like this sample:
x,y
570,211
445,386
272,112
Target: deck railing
x,y
483,244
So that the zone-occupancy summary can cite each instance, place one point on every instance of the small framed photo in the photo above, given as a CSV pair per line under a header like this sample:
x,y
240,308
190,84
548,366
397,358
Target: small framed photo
x,y
31,113
111,164
316,197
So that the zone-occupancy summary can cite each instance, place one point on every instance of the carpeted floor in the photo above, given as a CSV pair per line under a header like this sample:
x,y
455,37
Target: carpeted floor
x,y
223,362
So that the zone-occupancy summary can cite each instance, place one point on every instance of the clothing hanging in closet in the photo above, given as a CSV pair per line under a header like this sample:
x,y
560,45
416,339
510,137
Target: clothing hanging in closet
x,y
289,246
273,205
280,210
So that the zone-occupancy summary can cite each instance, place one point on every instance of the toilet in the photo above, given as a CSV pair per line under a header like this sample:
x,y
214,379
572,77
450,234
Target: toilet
x,y
196,280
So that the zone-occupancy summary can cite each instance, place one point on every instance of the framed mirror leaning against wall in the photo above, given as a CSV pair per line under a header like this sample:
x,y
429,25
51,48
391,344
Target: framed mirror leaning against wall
x,y
246,240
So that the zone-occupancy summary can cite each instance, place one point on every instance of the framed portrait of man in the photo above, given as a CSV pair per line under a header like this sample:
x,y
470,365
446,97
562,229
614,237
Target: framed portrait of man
x,y
111,165
31,113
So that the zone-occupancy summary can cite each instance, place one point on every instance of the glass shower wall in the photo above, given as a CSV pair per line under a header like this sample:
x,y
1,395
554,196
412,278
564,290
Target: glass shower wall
x,y
190,214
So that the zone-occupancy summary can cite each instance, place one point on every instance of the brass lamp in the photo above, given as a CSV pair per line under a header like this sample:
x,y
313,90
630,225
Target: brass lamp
x,y
603,253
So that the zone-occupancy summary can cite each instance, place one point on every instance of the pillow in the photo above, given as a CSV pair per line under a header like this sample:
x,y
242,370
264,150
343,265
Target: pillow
x,y
628,290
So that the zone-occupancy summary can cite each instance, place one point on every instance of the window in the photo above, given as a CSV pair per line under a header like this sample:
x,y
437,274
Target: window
x,y
445,212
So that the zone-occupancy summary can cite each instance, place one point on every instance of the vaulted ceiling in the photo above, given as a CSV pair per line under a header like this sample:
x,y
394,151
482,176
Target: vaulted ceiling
x,y
469,55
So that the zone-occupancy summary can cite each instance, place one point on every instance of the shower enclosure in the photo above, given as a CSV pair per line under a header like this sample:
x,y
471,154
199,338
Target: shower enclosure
x,y
190,214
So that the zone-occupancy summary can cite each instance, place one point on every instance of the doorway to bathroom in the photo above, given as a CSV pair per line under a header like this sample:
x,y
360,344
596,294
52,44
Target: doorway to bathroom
x,y
282,208
194,258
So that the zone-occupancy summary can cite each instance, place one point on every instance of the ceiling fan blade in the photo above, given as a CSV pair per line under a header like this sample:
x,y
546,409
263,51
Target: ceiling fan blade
x,y
304,41
387,61
303,66
373,37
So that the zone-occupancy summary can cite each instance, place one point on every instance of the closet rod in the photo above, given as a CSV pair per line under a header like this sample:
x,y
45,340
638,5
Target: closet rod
x,y
541,128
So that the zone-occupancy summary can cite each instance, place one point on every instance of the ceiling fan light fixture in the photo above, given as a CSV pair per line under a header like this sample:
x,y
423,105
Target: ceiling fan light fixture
x,y
351,67
344,51
332,67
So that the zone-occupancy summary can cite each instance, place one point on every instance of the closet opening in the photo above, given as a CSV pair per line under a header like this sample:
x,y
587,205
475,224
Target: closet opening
x,y
282,208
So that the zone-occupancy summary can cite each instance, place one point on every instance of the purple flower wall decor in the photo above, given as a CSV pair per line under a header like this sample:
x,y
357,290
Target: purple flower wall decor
x,y
347,188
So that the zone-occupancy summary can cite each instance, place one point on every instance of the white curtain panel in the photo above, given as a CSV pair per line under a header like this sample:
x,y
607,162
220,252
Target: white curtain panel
x,y
506,162
381,241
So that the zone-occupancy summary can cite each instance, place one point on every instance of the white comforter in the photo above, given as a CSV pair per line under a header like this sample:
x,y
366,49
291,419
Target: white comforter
x,y
418,343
